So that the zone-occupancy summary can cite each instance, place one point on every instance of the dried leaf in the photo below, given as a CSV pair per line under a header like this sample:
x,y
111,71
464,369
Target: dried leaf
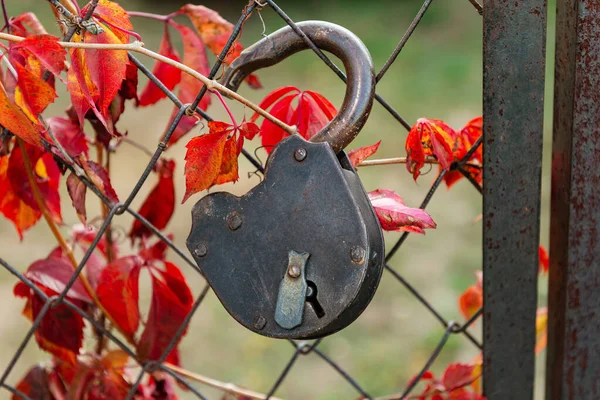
x,y
160,203
77,189
359,155
394,215
167,74
99,177
119,293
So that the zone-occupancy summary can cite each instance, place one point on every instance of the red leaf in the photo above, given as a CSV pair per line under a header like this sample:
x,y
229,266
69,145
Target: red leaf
x,y
472,299
429,137
84,92
11,205
160,203
119,293
323,104
194,56
158,251
61,329
35,385
171,302
84,235
107,69
54,273
44,48
457,375
270,133
46,174
167,74
272,97
203,161
77,189
26,24
69,135
15,120
99,177
311,117
544,266
394,215
249,130
215,32
359,155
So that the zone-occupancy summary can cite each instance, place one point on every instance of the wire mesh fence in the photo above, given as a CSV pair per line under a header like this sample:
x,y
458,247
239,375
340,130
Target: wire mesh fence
x,y
301,349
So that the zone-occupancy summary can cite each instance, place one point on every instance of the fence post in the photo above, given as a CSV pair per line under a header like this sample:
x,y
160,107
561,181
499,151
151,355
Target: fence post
x,y
573,361
514,41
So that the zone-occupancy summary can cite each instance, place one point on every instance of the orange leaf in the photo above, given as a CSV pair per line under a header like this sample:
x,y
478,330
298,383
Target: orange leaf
x,y
117,16
472,299
194,56
359,155
541,329
15,120
46,49
36,93
11,206
84,92
203,161
426,138
229,163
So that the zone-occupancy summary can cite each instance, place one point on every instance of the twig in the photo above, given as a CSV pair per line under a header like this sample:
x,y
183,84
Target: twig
x,y
226,387
402,160
138,48
142,14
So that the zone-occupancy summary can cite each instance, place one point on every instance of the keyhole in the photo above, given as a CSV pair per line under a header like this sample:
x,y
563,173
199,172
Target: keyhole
x,y
311,298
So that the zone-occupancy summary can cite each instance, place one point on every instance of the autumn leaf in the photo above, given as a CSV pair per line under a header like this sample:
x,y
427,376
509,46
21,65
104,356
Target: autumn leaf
x,y
35,384
119,293
426,138
160,203
312,113
205,157
99,177
541,330
45,49
215,32
34,94
167,74
453,385
12,206
69,134
26,24
171,302
47,177
61,329
16,121
471,300
76,189
194,56
359,155
544,263
156,251
54,273
394,215
114,14
466,138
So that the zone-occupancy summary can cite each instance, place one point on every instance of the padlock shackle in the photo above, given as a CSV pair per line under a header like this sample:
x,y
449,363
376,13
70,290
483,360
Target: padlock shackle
x,y
335,39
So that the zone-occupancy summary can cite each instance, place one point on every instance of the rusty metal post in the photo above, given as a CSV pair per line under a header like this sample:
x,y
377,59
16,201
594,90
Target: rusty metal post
x,y
513,102
573,361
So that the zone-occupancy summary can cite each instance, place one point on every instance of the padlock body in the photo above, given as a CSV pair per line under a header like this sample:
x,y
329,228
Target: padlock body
x,y
314,204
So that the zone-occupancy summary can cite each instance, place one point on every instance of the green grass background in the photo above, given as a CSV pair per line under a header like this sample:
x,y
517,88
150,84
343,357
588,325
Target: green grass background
x,y
437,75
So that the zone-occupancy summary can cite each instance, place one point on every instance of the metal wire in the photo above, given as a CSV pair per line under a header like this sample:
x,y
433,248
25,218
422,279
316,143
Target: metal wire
x,y
116,209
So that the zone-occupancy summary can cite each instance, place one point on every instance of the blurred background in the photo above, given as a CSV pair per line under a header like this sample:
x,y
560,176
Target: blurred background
x,y
437,75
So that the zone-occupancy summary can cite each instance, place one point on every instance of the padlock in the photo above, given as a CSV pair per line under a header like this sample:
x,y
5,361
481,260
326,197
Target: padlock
x,y
301,255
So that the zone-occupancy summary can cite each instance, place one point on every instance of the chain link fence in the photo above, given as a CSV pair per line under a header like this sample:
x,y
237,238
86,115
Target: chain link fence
x,y
302,349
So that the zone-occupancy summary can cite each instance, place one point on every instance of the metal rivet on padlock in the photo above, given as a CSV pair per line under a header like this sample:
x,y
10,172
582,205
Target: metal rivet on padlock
x,y
303,259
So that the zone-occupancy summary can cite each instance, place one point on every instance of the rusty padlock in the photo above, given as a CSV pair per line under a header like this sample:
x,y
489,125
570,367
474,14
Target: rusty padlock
x,y
301,255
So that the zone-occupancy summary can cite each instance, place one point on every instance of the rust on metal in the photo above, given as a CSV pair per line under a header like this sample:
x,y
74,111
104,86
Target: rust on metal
x,y
513,103
573,360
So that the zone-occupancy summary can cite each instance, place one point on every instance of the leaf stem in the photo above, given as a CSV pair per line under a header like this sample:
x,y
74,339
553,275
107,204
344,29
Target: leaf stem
x,y
37,195
138,48
233,121
142,14
226,387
